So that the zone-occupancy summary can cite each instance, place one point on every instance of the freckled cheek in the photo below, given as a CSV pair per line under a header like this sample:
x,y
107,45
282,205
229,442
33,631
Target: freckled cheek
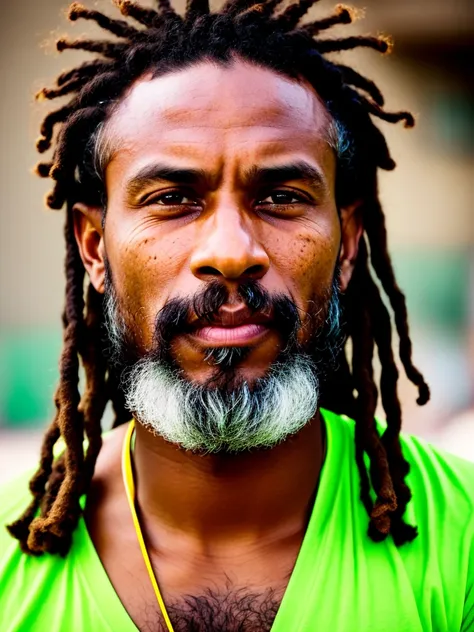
x,y
144,273
310,271
310,264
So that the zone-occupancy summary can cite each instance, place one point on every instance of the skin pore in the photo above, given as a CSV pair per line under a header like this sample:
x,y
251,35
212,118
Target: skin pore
x,y
213,173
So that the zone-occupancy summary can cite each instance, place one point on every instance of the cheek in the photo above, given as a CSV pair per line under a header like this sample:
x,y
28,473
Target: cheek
x,y
146,269
308,260
314,269
314,266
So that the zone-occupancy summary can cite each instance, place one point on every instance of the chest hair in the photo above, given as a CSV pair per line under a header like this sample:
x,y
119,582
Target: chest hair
x,y
229,610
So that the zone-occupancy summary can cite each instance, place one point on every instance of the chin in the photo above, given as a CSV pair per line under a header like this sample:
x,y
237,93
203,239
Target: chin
x,y
229,367
228,378
231,378
199,363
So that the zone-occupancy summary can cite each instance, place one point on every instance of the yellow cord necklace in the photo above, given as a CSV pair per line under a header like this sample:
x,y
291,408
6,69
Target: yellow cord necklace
x,y
127,472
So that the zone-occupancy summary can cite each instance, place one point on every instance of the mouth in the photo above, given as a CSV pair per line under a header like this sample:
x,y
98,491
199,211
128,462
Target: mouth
x,y
231,336
232,329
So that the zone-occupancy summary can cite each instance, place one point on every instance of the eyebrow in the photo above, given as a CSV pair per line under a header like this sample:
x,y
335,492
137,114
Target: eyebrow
x,y
255,176
301,171
165,173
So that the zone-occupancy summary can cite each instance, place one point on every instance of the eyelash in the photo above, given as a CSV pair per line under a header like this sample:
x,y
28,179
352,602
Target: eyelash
x,y
299,198
259,202
156,199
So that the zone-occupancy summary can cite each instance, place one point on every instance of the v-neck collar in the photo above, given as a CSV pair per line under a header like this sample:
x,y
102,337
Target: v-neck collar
x,y
118,617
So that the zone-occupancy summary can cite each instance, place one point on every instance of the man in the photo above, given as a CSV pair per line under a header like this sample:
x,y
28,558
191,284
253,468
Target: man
x,y
220,180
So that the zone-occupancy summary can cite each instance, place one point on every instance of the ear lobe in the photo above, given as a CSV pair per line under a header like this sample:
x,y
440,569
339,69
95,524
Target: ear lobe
x,y
90,240
352,228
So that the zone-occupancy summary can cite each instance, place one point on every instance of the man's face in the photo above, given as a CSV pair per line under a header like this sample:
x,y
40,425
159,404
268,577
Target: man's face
x,y
220,174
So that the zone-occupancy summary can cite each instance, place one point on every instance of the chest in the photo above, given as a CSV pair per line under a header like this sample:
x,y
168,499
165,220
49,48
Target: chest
x,y
234,595
342,582
215,609
240,591
237,587
335,585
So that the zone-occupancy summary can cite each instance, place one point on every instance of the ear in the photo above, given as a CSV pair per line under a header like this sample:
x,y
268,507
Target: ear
x,y
351,231
90,240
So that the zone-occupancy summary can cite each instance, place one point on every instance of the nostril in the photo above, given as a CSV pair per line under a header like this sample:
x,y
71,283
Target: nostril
x,y
255,270
208,271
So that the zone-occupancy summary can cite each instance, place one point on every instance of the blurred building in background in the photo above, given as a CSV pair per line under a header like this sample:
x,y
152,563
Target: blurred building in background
x,y
428,201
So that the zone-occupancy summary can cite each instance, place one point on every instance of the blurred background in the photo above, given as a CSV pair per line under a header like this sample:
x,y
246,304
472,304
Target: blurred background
x,y
428,201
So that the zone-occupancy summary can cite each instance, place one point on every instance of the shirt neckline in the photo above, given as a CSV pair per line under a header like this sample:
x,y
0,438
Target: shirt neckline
x,y
119,619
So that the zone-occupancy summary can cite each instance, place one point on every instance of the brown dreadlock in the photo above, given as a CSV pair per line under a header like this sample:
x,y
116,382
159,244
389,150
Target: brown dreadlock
x,y
164,40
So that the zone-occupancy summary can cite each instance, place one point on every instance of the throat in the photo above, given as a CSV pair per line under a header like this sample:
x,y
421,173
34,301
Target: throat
x,y
222,498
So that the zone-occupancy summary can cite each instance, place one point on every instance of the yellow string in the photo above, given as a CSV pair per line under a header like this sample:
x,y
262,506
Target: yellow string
x,y
129,483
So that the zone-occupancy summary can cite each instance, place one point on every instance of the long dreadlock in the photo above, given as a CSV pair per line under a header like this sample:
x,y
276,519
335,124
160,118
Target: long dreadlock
x,y
159,41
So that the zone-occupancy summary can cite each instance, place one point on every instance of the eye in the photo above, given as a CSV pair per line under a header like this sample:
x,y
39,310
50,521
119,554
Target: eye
x,y
282,198
171,198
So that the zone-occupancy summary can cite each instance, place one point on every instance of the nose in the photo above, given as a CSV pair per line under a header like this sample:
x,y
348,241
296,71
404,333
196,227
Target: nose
x,y
229,249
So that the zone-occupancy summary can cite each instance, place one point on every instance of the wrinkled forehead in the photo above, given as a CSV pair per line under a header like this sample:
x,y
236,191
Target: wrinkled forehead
x,y
237,100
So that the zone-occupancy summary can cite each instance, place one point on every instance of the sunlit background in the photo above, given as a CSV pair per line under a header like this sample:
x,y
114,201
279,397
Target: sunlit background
x,y
428,201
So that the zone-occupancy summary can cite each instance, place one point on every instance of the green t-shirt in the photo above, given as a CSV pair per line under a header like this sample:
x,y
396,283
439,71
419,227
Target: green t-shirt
x,y
342,581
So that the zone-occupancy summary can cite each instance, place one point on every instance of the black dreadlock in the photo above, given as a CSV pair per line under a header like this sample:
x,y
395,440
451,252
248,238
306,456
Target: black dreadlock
x,y
161,41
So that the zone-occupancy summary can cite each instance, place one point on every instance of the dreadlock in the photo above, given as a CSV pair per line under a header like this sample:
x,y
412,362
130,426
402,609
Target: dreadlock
x,y
158,41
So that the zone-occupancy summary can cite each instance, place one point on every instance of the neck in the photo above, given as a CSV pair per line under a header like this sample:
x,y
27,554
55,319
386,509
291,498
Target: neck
x,y
228,498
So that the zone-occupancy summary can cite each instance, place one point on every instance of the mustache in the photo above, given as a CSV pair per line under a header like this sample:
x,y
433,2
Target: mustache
x,y
322,321
174,318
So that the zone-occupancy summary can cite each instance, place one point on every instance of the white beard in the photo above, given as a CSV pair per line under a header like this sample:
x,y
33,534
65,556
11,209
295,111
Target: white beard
x,y
204,419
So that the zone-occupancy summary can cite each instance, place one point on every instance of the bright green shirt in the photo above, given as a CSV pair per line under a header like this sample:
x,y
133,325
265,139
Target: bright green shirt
x,y
342,581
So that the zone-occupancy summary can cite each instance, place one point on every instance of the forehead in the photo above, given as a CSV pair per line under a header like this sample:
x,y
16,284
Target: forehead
x,y
210,109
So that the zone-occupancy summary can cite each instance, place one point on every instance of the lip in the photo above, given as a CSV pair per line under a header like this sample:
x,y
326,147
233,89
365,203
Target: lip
x,y
233,318
232,326
241,335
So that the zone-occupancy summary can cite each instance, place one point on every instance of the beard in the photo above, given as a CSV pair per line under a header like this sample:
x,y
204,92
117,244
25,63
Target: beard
x,y
226,413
